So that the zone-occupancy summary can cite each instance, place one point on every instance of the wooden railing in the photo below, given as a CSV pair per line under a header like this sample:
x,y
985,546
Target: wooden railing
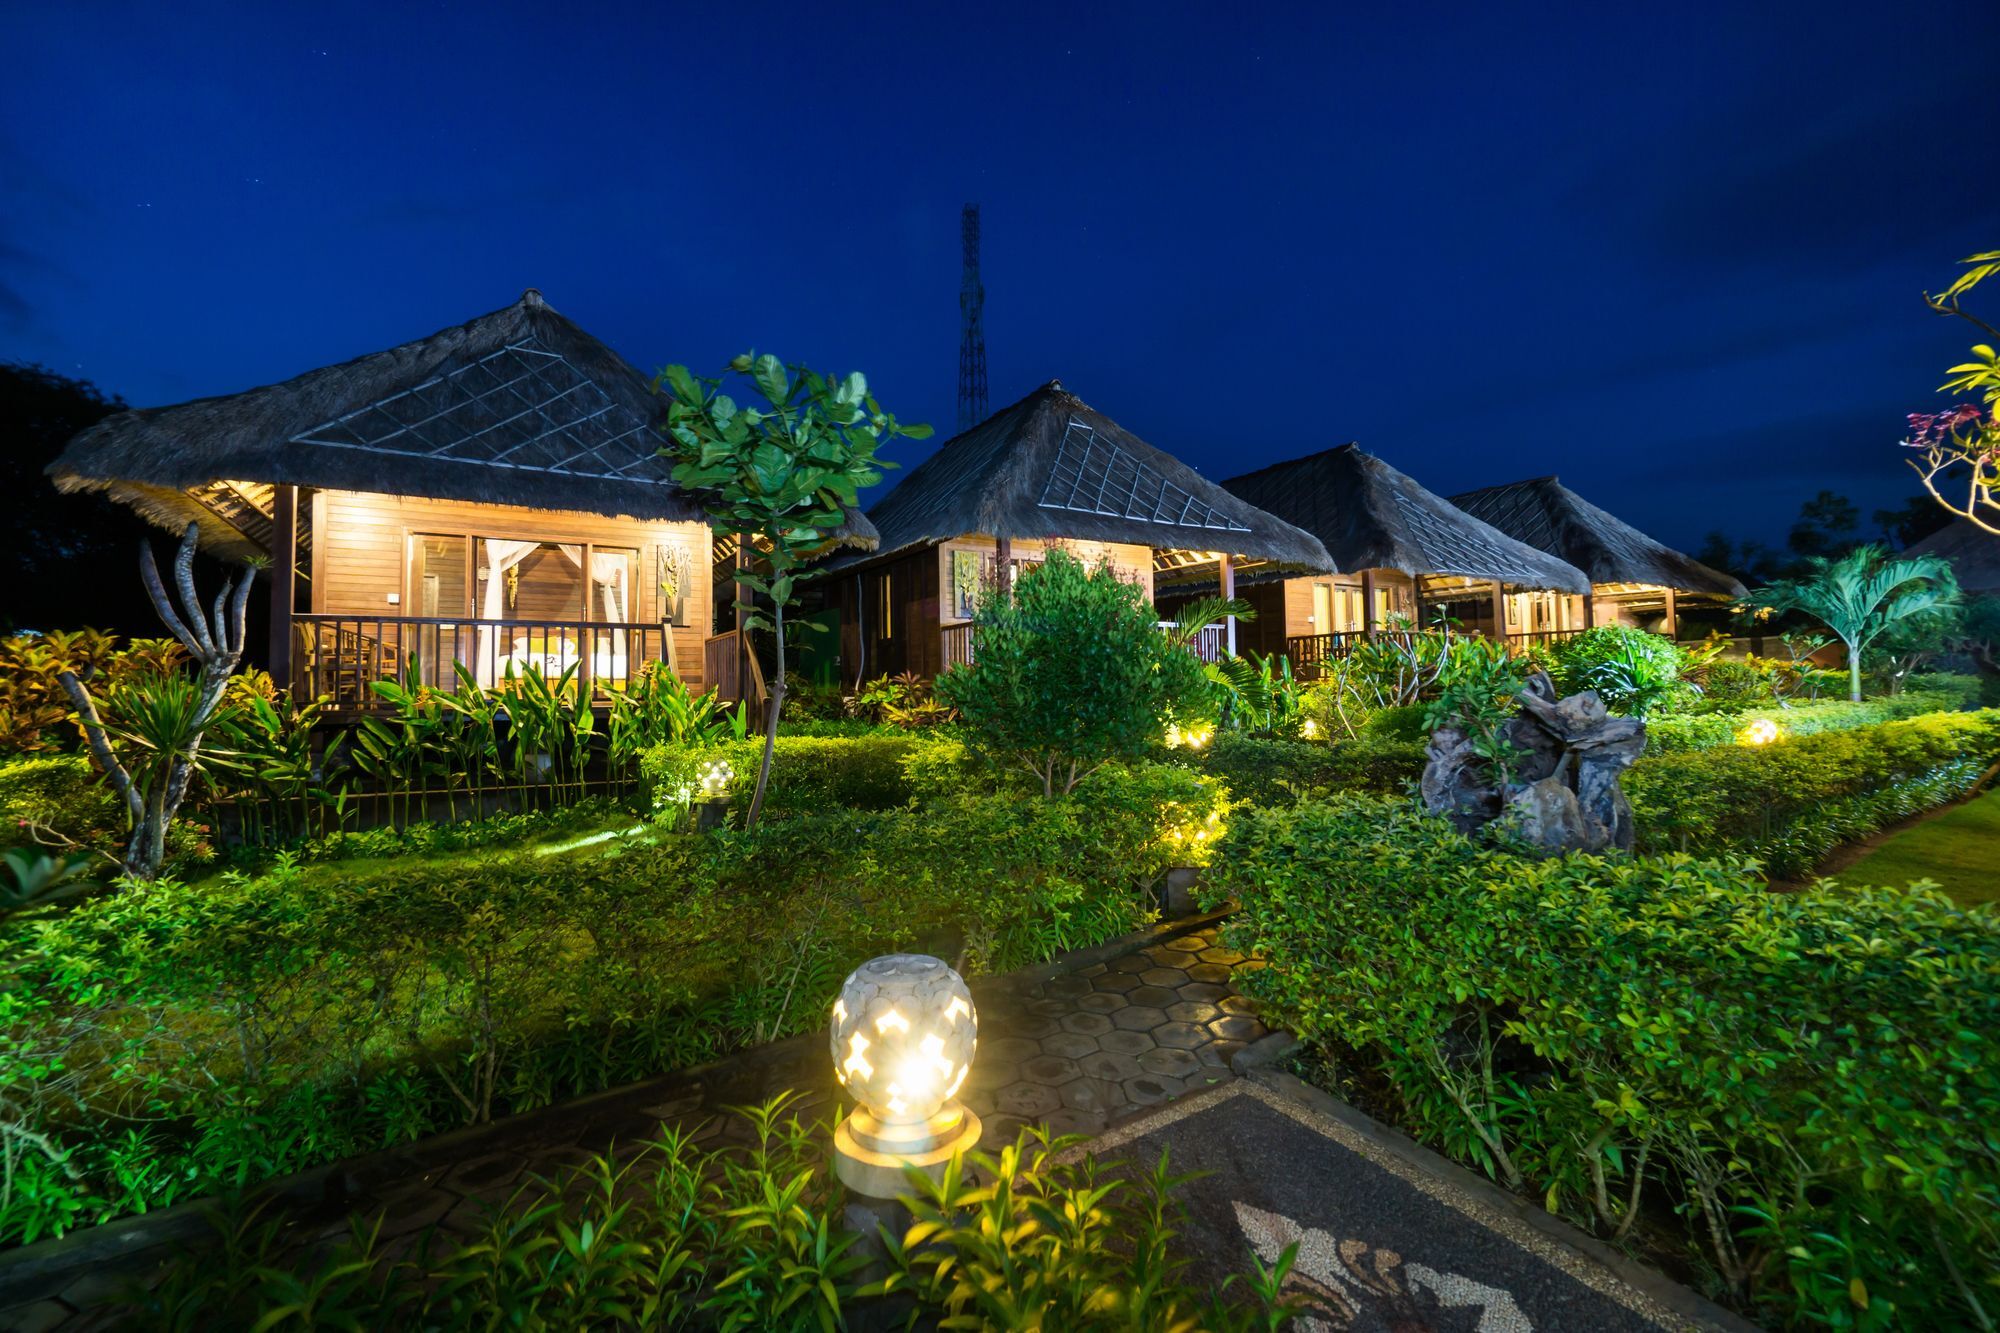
x,y
957,649
1538,638
1209,641
722,665
342,657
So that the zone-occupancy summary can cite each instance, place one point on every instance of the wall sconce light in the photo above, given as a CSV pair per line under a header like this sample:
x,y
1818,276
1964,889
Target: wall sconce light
x,y
903,1035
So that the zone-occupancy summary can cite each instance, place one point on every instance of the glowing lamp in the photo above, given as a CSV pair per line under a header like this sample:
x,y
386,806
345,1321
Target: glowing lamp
x,y
903,1035
1192,737
715,777
1309,730
1761,732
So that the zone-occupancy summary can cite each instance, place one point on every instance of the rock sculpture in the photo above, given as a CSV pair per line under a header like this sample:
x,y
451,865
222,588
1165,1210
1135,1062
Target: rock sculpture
x,y
1561,793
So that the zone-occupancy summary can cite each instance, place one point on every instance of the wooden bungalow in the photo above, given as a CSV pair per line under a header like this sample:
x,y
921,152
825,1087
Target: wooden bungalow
x,y
1049,471
491,495
1404,553
1634,580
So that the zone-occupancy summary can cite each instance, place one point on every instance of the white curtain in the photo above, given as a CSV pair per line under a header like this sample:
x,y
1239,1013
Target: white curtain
x,y
611,586
501,556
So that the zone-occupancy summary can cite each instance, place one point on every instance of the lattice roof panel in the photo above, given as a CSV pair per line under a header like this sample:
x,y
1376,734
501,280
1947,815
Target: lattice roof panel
x,y
521,406
1092,475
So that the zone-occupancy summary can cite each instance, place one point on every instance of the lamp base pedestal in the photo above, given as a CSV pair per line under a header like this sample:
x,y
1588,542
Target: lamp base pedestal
x,y
869,1156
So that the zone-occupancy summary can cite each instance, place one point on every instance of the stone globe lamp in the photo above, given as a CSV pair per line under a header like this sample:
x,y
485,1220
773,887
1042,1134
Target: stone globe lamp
x,y
903,1035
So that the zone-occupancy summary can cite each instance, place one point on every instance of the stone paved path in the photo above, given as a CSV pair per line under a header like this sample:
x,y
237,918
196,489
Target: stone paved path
x,y
1090,1047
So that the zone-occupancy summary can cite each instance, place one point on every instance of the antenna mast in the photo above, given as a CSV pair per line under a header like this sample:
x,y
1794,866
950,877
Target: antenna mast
x,y
972,327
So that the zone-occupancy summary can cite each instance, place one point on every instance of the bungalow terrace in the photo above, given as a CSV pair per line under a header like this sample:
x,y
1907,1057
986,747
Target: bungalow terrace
x,y
490,497
1048,472
1634,580
1403,553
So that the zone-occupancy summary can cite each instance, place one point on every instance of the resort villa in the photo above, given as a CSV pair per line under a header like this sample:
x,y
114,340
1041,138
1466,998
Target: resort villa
x,y
1048,471
1634,580
486,498
1403,554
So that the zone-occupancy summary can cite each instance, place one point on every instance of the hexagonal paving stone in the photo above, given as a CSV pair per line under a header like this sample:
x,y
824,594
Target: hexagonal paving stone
x,y
1138,1018
1069,1045
1169,1063
1213,972
1219,954
1074,1122
1094,970
1238,1004
996,1131
1049,1069
1089,1024
1218,1054
1032,1027
1089,1094
1011,1049
1100,1002
1203,992
1120,1042
1157,997
1194,943
1151,1090
1185,1036
1049,1006
1163,976
1120,981
1030,1101
1110,1066
1067,987
1131,962
1187,1011
1237,1028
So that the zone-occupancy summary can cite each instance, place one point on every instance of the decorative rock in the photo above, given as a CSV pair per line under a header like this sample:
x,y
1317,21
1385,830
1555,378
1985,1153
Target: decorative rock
x,y
1562,794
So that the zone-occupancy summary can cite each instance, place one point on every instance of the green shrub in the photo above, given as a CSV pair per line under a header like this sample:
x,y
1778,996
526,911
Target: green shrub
x,y
811,774
1933,694
1743,798
1810,1079
1730,686
1635,672
1069,670
175,1039
716,1239
1270,770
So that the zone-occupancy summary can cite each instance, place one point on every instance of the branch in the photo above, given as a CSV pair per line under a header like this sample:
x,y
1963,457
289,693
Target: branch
x,y
149,572
100,746
1951,307
184,579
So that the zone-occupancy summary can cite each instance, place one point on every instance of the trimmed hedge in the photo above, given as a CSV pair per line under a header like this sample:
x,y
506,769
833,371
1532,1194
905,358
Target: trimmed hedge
x,y
176,1039
1270,770
1704,731
809,774
1811,1079
1748,799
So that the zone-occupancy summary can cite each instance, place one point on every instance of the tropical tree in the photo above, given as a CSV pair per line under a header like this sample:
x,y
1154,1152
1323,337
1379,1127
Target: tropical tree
x,y
780,478
1069,669
1959,447
1862,595
159,719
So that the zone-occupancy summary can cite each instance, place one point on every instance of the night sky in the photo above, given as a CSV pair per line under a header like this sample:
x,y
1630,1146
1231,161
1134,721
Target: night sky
x,y
1673,253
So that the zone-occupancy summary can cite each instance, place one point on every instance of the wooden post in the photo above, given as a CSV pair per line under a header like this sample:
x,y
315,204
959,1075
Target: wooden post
x,y
1229,592
1670,626
1590,609
737,593
1500,612
1003,562
284,576
1368,602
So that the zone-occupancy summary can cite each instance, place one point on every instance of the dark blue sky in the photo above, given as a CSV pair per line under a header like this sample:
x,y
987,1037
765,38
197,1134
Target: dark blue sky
x,y
1673,252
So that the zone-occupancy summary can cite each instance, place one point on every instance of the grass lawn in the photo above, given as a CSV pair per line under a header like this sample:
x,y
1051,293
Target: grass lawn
x,y
1959,849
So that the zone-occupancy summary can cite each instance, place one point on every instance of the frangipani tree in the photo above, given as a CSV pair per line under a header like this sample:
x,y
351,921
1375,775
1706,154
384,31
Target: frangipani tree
x,y
1863,594
1959,447
778,477
158,723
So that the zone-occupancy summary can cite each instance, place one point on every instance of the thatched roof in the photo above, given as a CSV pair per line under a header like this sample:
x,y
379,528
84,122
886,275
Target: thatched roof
x,y
519,407
1051,467
1974,554
1373,517
1551,517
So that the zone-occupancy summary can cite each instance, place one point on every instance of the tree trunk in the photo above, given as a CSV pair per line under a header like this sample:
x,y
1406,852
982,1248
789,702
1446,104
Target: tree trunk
x,y
1853,673
777,702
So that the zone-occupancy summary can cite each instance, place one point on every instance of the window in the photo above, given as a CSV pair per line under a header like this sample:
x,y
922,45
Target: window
x,y
437,576
1323,609
885,608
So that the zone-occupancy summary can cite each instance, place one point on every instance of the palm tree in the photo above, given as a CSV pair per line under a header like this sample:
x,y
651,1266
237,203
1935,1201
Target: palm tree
x,y
1862,594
